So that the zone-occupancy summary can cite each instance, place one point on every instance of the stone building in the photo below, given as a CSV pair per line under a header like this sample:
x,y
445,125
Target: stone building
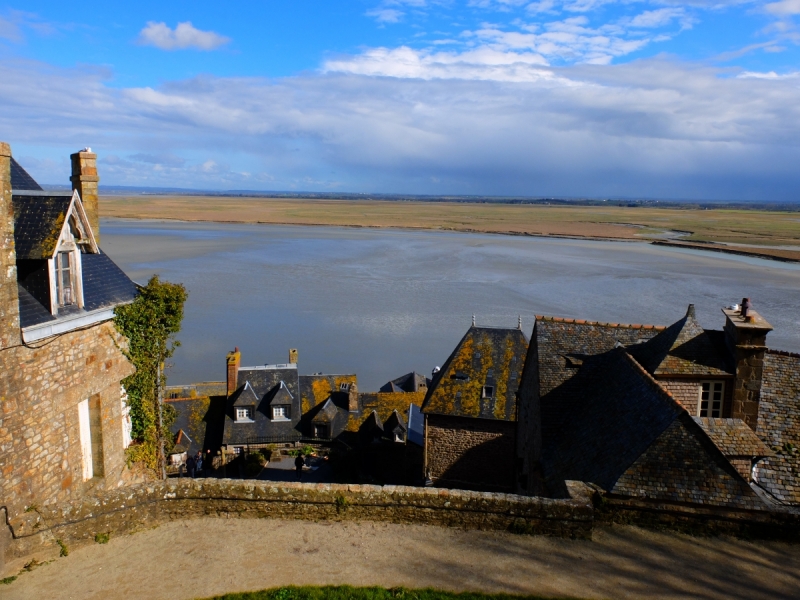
x,y
674,414
63,419
471,411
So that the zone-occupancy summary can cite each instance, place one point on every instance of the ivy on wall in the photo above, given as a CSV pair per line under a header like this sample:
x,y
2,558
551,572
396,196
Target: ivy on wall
x,y
150,323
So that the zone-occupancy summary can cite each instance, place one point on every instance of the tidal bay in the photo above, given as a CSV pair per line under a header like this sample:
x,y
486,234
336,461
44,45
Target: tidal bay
x,y
383,302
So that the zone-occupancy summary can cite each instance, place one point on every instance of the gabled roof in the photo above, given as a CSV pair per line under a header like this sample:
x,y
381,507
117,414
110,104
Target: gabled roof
x,y
38,222
281,395
326,414
733,437
245,396
410,382
684,348
563,345
20,180
626,434
372,424
485,357
395,423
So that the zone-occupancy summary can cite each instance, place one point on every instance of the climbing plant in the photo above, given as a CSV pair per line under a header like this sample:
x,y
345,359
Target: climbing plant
x,y
150,323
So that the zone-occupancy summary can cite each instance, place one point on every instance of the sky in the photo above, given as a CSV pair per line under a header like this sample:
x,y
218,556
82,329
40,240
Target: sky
x,y
663,99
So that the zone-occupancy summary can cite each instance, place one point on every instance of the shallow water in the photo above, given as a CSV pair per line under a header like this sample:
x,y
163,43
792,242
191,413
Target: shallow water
x,y
381,303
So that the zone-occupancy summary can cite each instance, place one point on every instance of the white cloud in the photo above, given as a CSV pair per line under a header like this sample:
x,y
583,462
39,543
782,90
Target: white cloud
x,y
651,127
185,35
656,18
769,75
784,8
386,15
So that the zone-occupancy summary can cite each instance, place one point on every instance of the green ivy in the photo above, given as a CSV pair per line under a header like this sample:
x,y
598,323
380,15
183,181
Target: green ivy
x,y
150,323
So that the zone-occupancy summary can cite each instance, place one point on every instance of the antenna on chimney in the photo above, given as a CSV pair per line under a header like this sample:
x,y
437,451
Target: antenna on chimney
x,y
473,320
519,322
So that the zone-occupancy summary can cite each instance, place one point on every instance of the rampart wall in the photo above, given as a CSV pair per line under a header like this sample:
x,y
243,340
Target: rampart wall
x,y
143,506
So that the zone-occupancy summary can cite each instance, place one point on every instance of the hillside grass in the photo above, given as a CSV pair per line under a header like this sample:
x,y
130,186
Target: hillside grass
x,y
346,592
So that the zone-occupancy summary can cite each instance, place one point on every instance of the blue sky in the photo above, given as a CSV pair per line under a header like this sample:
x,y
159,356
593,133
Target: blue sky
x,y
594,98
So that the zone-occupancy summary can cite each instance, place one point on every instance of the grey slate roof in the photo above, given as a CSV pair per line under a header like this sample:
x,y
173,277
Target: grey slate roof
x,y
621,431
20,180
280,396
104,283
395,424
779,427
410,382
684,349
485,357
38,221
326,414
563,345
245,396
733,437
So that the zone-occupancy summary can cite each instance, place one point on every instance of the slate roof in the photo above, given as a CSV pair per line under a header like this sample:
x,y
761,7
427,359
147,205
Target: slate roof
x,y
733,437
31,311
626,434
410,382
20,180
779,427
104,283
245,396
395,423
264,381
485,356
684,349
38,221
281,396
326,414
563,345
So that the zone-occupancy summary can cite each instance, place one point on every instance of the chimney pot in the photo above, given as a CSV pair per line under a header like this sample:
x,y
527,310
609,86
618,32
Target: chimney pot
x,y
293,356
232,362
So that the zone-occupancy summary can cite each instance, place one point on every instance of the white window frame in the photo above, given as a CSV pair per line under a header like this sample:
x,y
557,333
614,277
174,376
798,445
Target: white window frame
x,y
280,413
86,440
244,414
491,392
709,410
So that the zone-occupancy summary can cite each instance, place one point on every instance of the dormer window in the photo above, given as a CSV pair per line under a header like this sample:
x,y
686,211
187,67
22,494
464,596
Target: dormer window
x,y
280,413
65,279
711,395
488,391
244,413
344,387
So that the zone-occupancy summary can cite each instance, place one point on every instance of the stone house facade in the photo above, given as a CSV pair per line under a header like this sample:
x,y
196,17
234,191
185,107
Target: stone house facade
x,y
672,414
63,420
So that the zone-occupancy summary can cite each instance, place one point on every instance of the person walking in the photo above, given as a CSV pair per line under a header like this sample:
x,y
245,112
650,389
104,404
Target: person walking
x,y
191,465
299,463
198,462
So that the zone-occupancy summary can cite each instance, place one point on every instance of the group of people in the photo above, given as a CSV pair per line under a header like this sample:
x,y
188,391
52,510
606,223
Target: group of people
x,y
199,466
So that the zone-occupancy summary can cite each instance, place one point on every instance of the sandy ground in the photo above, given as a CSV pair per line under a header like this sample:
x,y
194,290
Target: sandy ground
x,y
201,558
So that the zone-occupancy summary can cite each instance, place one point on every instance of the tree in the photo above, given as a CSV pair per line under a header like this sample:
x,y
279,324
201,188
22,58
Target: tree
x,y
150,323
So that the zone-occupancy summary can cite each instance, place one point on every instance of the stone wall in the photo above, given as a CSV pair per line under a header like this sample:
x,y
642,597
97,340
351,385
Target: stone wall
x,y
470,453
143,506
9,303
40,389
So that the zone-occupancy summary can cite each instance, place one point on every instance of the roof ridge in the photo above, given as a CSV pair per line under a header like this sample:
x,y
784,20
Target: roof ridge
x,y
653,381
783,353
601,323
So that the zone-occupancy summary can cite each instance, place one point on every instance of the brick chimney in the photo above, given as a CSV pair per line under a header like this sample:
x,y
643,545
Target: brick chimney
x,y
84,179
352,399
9,302
746,338
233,360
293,356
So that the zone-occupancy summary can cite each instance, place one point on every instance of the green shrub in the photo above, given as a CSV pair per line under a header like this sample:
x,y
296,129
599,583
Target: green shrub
x,y
64,549
102,538
347,592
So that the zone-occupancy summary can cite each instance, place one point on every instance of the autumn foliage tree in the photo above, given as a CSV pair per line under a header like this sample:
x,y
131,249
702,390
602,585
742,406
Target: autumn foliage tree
x,y
150,323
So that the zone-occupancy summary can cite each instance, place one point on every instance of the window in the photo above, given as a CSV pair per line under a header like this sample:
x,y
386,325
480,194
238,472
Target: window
x,y
398,438
237,450
320,431
711,393
65,280
244,414
344,387
488,391
280,412
90,428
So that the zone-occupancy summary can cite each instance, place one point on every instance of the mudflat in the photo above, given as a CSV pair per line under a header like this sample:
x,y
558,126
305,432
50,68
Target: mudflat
x,y
759,228
211,556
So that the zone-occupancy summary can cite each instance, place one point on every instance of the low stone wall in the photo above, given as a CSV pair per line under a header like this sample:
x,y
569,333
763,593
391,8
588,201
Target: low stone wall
x,y
143,506
698,520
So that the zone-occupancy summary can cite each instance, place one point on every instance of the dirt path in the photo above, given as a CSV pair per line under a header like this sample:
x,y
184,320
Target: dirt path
x,y
200,558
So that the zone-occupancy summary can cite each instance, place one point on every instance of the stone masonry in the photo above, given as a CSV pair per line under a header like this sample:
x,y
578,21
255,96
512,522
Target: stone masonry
x,y
40,389
85,179
132,508
9,303
461,449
